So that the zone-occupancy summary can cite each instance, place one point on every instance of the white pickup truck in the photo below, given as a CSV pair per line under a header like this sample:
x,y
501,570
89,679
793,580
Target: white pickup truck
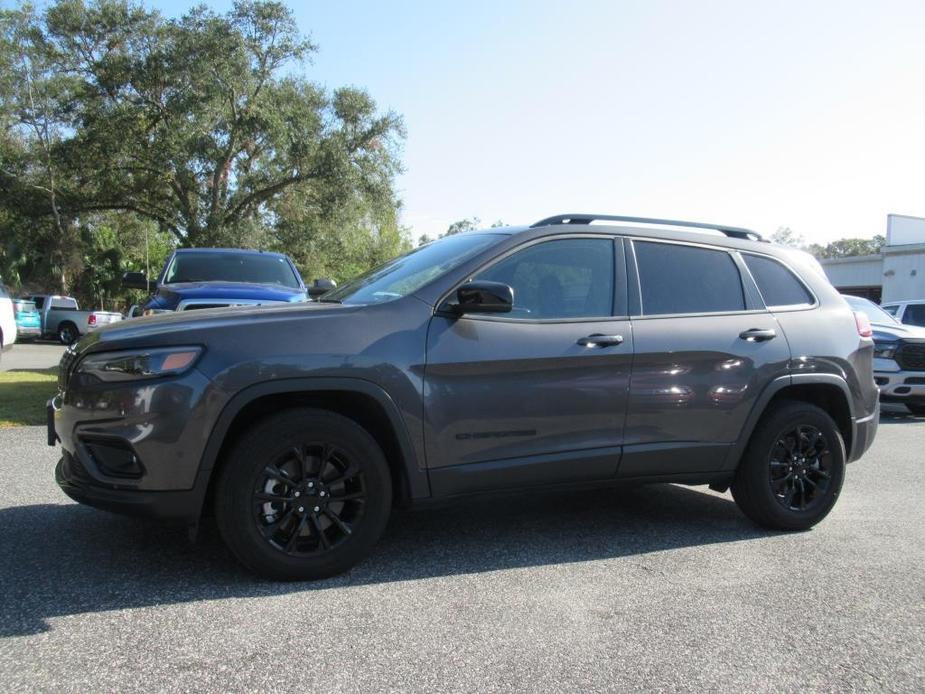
x,y
63,319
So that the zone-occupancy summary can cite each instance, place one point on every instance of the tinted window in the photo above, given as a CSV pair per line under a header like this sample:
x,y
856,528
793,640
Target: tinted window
x,y
891,309
686,279
65,304
40,302
778,286
568,278
231,267
915,314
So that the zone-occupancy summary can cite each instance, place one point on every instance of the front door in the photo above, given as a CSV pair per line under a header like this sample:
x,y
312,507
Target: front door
x,y
539,394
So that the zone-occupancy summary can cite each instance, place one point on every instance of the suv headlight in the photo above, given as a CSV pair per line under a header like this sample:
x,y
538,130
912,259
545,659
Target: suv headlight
x,y
885,350
139,364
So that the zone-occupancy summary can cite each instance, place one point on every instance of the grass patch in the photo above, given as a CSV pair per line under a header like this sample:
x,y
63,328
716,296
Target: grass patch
x,y
23,395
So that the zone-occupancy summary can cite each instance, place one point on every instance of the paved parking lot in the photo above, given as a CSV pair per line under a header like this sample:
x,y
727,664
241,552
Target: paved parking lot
x,y
653,588
32,355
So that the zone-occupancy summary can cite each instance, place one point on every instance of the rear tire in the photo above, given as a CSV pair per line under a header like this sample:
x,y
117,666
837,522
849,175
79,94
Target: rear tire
x,y
792,472
917,410
67,334
304,495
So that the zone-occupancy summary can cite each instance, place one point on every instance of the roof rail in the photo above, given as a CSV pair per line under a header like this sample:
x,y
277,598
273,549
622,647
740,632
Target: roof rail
x,y
734,232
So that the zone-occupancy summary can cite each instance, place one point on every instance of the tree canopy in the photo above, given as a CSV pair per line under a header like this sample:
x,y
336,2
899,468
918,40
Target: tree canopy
x,y
202,127
842,248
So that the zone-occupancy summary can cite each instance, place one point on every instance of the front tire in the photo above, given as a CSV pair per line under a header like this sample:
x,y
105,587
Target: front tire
x,y
792,472
304,495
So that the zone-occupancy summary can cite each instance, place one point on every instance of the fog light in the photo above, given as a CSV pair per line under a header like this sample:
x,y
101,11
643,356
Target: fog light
x,y
114,458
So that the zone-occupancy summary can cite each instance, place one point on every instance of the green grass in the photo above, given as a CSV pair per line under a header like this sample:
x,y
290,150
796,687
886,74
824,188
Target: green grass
x,y
23,395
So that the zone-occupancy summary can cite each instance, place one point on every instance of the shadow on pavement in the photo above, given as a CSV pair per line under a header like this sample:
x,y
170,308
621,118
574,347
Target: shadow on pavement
x,y
68,559
898,414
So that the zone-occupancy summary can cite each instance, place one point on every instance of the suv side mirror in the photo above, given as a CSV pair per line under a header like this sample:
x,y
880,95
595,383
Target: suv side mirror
x,y
320,287
137,280
484,297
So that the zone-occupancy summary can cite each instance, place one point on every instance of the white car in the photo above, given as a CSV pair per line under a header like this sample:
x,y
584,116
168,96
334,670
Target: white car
x,y
908,312
7,321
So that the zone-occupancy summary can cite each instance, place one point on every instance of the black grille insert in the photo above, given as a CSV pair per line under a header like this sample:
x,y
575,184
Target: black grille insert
x,y
911,356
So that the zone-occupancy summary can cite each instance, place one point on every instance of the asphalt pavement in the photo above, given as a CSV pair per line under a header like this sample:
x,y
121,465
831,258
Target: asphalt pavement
x,y
31,355
655,588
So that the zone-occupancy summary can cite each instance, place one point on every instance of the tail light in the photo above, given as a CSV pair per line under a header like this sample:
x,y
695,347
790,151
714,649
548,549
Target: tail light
x,y
863,323
92,319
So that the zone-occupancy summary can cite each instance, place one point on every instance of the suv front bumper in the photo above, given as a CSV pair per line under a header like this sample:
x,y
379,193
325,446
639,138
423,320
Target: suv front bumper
x,y
134,448
901,386
180,506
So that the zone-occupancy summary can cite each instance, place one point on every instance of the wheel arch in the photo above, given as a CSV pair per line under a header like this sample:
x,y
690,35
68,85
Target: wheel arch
x,y
827,391
362,401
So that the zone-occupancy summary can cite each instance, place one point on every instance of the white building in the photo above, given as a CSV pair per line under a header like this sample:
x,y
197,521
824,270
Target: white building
x,y
897,272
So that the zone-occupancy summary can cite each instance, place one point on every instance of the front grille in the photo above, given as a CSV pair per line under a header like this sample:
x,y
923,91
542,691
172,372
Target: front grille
x,y
911,357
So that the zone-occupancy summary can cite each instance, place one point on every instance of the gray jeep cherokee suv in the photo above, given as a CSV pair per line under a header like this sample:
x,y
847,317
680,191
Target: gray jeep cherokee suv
x,y
566,353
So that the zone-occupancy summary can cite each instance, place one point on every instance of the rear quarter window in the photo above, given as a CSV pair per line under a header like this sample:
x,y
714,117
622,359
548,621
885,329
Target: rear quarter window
x,y
687,279
778,285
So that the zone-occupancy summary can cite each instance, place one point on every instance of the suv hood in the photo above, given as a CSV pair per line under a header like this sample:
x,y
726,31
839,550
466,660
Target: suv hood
x,y
171,328
169,295
884,332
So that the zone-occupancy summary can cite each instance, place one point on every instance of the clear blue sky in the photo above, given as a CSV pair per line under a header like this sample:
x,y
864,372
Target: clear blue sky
x,y
762,114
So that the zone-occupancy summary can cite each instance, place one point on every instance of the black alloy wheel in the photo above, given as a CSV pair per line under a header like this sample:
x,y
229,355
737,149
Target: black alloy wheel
x,y
309,500
303,494
800,468
792,471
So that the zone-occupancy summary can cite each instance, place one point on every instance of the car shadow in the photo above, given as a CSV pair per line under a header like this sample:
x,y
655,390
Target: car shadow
x,y
898,414
67,559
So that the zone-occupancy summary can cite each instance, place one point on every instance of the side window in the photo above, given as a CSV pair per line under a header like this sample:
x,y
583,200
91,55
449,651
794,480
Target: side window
x,y
687,279
778,285
3,292
891,309
40,302
566,278
915,314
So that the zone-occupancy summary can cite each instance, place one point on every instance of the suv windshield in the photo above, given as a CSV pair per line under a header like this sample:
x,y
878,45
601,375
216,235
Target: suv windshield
x,y
255,268
408,273
874,312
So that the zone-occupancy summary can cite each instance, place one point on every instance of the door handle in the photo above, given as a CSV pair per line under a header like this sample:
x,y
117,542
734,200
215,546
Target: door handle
x,y
598,340
757,335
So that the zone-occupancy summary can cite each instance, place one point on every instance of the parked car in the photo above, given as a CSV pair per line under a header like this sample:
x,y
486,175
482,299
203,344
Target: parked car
x,y
28,320
198,278
561,354
7,321
899,357
909,312
62,318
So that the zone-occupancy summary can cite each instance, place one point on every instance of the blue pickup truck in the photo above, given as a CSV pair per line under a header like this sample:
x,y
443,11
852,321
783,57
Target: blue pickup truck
x,y
198,278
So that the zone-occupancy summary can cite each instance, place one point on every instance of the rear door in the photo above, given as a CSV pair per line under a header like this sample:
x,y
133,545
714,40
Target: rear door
x,y
518,399
704,348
